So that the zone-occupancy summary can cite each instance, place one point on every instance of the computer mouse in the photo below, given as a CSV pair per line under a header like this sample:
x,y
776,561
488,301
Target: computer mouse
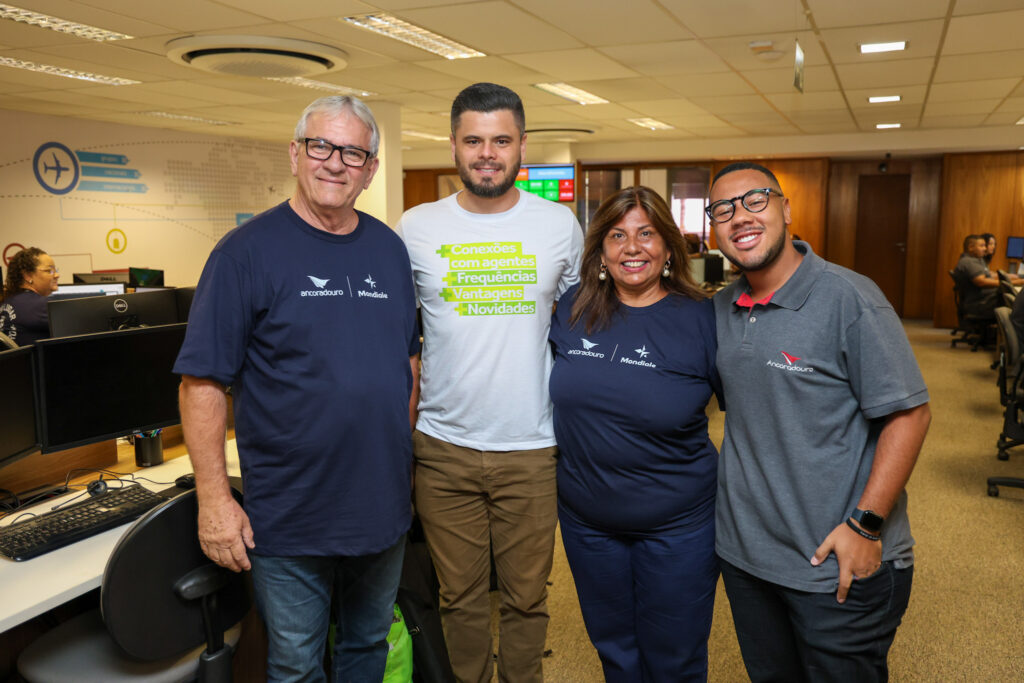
x,y
186,481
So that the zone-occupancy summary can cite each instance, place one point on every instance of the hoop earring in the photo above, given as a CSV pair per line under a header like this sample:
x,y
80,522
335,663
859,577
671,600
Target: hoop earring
x,y
603,275
666,271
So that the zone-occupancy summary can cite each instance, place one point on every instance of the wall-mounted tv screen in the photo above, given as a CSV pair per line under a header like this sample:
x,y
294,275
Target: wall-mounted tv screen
x,y
557,183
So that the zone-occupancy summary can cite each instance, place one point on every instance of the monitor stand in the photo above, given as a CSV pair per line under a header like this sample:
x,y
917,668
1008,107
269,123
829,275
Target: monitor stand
x,y
149,449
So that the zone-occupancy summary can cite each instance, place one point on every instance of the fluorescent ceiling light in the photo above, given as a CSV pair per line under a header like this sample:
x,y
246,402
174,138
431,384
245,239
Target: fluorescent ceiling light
x,y
884,98
1020,121
652,124
395,28
61,25
425,136
881,126
66,73
185,117
320,85
571,93
869,48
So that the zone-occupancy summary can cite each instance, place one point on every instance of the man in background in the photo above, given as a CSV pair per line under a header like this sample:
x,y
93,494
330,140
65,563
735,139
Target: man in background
x,y
307,312
979,286
826,414
489,262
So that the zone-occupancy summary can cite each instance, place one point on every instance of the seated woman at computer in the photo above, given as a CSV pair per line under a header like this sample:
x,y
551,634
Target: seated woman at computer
x,y
31,277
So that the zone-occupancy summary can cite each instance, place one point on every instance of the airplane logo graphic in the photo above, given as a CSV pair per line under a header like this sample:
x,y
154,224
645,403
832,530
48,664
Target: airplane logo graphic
x,y
369,281
642,351
56,167
320,284
790,359
587,344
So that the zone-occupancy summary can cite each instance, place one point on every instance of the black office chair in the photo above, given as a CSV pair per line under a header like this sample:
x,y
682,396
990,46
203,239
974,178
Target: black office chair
x,y
161,599
973,328
1011,395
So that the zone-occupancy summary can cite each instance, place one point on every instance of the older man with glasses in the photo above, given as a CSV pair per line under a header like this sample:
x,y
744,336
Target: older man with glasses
x,y
826,414
307,311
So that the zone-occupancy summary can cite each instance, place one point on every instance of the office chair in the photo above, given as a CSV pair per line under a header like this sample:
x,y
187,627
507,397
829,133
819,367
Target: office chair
x,y
6,342
973,328
1011,395
161,599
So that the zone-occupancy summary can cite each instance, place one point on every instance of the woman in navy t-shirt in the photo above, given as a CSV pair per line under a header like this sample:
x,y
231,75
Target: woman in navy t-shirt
x,y
634,347
31,277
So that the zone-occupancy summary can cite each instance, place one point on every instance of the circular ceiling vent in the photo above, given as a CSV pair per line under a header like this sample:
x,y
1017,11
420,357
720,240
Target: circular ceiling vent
x,y
256,56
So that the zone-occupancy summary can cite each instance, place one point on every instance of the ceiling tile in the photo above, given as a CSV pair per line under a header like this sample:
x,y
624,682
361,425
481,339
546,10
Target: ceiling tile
x,y
723,83
736,104
972,90
796,101
830,14
737,17
573,65
885,74
668,58
608,22
922,41
979,33
1004,64
669,107
961,107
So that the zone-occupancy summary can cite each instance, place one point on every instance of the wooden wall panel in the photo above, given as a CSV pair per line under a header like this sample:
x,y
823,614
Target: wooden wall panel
x,y
805,182
980,193
922,224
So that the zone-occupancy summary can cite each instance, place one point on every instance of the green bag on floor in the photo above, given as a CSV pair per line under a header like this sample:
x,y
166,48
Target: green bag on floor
x,y
399,666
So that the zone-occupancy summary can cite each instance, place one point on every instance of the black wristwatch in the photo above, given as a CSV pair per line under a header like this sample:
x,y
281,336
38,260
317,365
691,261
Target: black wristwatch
x,y
868,520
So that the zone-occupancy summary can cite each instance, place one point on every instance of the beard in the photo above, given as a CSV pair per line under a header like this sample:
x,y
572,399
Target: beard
x,y
487,190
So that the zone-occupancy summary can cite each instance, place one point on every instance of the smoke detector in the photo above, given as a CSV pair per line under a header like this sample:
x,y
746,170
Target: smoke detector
x,y
256,56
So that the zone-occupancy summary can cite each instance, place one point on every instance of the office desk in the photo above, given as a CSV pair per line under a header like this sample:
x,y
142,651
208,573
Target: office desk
x,y
27,589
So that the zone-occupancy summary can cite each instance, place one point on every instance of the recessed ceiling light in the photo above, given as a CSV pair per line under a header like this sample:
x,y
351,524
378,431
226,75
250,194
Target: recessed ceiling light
x,y
395,28
869,48
61,25
881,126
652,124
570,92
879,99
320,85
185,117
424,136
65,73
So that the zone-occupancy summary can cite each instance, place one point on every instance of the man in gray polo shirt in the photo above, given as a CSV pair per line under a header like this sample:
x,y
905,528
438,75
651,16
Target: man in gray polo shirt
x,y
826,414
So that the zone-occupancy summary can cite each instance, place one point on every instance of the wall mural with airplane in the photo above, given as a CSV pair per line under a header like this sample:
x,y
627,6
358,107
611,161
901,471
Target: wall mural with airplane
x,y
101,196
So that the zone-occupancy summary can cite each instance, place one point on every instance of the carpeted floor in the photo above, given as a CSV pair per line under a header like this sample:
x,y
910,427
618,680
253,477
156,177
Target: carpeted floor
x,y
966,616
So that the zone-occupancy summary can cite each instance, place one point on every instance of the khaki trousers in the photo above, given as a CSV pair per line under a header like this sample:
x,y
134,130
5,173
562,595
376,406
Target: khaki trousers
x,y
469,502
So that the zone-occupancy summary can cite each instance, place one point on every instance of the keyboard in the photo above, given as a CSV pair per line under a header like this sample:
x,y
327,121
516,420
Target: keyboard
x,y
52,530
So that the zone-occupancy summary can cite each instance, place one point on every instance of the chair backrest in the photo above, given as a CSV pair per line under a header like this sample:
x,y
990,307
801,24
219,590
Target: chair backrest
x,y
7,342
1009,298
141,609
957,298
1009,352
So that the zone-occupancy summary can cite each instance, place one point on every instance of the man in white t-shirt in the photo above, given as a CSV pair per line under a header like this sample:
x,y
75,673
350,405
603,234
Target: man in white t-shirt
x,y
489,263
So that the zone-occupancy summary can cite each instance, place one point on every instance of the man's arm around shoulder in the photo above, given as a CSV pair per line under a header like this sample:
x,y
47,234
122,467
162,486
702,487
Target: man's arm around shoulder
x,y
224,530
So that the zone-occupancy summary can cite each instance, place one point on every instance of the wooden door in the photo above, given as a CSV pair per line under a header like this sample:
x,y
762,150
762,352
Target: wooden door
x,y
883,203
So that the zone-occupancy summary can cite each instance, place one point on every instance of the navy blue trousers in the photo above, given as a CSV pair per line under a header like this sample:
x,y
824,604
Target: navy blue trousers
x,y
795,636
647,600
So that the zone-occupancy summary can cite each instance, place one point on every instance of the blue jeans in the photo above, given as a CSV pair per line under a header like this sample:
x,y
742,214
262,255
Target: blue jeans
x,y
647,599
293,595
790,635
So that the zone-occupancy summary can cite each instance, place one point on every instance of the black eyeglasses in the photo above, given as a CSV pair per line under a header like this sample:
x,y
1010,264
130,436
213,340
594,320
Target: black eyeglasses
x,y
356,157
753,201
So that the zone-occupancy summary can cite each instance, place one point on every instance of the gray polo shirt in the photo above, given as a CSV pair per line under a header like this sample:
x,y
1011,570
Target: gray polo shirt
x,y
808,378
974,297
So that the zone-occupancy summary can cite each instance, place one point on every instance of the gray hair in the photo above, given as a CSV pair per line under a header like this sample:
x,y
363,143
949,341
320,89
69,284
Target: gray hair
x,y
335,105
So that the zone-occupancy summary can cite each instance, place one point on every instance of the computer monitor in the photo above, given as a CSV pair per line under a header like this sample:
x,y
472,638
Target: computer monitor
x,y
79,291
96,387
184,296
145,277
105,313
18,434
1015,248
99,278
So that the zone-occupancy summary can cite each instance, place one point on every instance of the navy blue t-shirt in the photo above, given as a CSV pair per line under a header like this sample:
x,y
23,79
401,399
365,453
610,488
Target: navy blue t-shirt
x,y
313,331
634,453
24,318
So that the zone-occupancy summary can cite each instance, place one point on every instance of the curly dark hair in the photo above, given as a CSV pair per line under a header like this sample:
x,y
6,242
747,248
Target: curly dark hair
x,y
596,300
25,261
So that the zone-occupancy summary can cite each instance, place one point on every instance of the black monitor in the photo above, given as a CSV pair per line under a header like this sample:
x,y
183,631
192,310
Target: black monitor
x,y
95,387
99,278
18,433
145,277
105,313
1015,248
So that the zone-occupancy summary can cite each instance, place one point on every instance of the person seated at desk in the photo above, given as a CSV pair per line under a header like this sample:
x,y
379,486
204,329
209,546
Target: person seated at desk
x,y
979,286
990,247
31,277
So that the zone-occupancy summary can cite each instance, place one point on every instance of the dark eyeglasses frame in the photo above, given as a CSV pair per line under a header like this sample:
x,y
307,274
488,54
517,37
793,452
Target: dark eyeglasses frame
x,y
743,200
340,149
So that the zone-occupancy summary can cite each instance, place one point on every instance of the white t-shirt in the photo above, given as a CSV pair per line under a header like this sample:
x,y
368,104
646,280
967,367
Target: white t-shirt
x,y
486,284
